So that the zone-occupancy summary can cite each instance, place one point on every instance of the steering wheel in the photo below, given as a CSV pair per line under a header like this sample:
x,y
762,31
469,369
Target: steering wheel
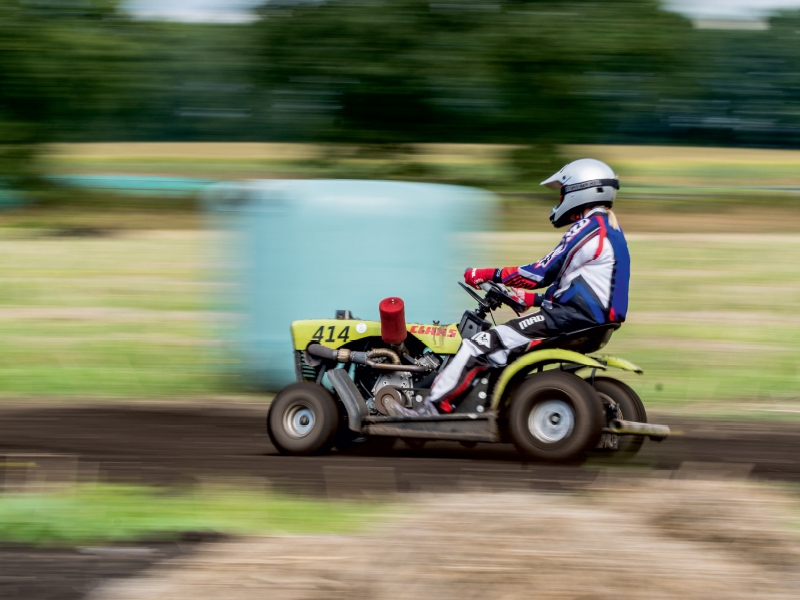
x,y
501,294
496,295
481,302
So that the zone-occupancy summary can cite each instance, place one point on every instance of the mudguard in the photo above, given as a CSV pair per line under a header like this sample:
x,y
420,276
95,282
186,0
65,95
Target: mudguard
x,y
528,361
618,363
351,398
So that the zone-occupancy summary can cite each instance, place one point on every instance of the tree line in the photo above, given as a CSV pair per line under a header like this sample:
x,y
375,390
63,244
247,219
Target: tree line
x,y
528,72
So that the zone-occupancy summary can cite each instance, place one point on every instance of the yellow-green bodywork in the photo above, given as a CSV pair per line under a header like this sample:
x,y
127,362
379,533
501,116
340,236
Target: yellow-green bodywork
x,y
619,363
335,333
445,339
555,355
532,359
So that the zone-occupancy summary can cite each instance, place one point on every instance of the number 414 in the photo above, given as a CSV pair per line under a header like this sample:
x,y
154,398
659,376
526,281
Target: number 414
x,y
319,334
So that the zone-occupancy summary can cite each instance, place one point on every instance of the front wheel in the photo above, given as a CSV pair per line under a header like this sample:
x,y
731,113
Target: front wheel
x,y
555,416
303,419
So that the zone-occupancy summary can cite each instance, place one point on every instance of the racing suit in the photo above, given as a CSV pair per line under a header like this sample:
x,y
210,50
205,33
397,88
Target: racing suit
x,y
587,274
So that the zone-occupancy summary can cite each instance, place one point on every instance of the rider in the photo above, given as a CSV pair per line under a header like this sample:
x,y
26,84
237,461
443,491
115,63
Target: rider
x,y
587,274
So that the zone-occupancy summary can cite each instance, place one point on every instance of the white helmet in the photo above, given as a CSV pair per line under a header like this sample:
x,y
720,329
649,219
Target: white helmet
x,y
584,182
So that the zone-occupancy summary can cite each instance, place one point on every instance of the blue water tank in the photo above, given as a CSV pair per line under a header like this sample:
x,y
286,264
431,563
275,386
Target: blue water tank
x,y
303,249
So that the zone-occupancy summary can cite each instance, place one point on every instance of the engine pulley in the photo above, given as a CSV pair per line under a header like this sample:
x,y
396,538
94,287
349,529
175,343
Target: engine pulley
x,y
387,392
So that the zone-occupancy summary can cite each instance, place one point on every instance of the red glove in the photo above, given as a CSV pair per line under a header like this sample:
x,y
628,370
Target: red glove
x,y
475,277
529,298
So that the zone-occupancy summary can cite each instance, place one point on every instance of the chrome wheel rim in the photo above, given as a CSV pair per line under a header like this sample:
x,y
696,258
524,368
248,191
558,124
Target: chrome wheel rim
x,y
551,421
298,420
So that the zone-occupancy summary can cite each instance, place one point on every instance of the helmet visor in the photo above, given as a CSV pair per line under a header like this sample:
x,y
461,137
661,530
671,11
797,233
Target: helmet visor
x,y
577,187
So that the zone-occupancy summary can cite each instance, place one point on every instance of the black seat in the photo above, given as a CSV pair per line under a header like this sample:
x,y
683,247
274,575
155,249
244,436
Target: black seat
x,y
586,340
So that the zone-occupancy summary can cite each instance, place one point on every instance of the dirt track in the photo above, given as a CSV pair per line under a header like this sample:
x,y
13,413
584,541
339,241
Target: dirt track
x,y
180,444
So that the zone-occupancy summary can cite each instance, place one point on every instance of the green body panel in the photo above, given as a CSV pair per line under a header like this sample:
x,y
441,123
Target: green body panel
x,y
532,359
335,333
619,363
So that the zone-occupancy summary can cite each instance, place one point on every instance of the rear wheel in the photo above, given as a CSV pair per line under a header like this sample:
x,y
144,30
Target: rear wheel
x,y
303,419
555,416
631,408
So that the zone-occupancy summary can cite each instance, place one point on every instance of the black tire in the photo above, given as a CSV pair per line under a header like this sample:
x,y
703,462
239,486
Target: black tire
x,y
345,437
303,419
631,407
414,443
555,416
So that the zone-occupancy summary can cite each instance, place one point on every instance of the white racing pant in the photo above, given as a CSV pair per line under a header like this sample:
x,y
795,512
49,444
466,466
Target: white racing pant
x,y
487,349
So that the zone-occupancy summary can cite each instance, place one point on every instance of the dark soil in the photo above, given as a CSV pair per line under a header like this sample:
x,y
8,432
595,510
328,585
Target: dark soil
x,y
177,445
180,444
71,573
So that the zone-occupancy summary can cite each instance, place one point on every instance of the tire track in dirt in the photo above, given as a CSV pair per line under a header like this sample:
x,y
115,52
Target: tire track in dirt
x,y
178,444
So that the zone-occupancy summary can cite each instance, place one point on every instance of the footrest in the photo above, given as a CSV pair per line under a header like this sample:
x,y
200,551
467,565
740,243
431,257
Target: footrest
x,y
468,427
655,432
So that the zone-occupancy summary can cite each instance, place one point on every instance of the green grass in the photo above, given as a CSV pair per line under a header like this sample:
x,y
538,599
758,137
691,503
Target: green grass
x,y
92,514
128,315
713,319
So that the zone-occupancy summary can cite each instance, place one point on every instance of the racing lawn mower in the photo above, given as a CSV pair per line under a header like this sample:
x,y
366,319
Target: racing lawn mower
x,y
553,403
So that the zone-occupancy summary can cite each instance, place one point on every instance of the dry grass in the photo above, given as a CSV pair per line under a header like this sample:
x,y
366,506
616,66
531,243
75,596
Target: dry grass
x,y
205,150
674,166
33,221
690,155
657,539
689,215
687,189
655,155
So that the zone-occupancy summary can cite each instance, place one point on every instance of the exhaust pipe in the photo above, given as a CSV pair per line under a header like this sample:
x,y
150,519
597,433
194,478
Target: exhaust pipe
x,y
364,358
657,433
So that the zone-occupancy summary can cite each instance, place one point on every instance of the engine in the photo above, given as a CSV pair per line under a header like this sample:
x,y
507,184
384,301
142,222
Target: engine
x,y
400,383
402,371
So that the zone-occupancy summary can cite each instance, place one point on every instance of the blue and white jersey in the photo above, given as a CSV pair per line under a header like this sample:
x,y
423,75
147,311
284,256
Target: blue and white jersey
x,y
589,269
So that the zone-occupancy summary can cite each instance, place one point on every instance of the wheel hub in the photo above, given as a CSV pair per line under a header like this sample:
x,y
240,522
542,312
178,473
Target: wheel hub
x,y
551,421
298,421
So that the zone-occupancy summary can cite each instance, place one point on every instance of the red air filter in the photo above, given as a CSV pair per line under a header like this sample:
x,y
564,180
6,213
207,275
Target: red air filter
x,y
393,320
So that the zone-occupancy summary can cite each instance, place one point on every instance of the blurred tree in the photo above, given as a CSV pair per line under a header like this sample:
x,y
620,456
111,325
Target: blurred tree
x,y
522,72
188,82
382,74
740,88
59,63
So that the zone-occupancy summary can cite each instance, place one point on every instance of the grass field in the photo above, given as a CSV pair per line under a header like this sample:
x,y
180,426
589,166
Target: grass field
x,y
713,318
105,513
129,314
714,308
